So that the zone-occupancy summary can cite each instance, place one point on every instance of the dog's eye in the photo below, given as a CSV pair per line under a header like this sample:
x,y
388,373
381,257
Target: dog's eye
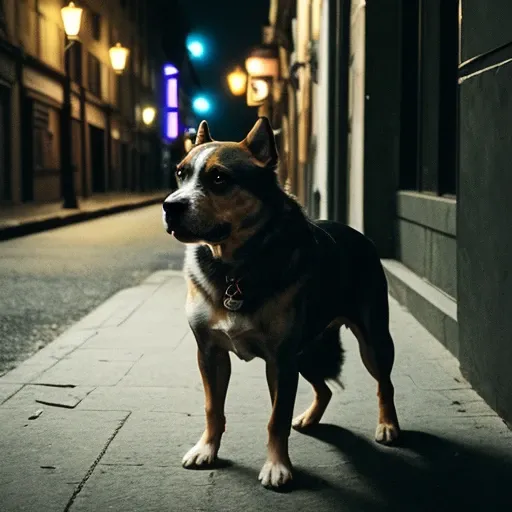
x,y
180,174
220,182
219,178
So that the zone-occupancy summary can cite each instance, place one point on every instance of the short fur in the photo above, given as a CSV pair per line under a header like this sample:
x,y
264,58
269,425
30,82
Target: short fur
x,y
300,281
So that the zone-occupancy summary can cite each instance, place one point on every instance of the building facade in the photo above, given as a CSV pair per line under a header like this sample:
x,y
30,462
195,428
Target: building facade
x,y
395,121
112,149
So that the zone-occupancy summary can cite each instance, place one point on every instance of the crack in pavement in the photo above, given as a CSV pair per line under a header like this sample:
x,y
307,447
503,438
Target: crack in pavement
x,y
90,471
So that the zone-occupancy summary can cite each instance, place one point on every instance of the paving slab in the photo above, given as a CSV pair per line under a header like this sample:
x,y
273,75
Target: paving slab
x,y
45,460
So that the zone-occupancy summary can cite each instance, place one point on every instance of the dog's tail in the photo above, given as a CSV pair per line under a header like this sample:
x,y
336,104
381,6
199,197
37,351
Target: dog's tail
x,y
324,359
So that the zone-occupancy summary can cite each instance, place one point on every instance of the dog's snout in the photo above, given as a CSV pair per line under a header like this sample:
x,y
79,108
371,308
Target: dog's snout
x,y
175,207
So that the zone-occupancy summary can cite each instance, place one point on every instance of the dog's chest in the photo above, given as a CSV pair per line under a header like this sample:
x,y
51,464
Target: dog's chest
x,y
238,334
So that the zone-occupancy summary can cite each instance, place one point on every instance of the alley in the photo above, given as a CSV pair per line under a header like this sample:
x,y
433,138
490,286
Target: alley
x,y
52,279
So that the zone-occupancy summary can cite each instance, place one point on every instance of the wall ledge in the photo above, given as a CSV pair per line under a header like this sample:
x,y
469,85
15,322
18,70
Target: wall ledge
x,y
435,310
434,212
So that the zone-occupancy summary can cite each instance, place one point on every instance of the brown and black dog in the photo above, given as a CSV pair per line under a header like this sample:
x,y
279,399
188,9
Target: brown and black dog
x,y
265,281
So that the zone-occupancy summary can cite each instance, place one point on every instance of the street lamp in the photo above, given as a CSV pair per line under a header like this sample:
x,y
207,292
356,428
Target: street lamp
x,y
118,57
263,67
148,115
72,19
237,81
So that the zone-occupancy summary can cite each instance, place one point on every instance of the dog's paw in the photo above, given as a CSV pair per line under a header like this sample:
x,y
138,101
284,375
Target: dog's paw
x,y
275,474
387,433
306,419
202,454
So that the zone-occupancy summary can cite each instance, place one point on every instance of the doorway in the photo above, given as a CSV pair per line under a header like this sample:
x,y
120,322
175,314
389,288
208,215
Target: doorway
x,y
97,137
5,167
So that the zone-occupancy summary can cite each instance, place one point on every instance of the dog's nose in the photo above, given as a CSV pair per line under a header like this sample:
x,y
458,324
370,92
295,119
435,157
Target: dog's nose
x,y
175,207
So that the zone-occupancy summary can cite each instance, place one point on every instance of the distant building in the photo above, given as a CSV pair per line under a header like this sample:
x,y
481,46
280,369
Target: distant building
x,y
112,149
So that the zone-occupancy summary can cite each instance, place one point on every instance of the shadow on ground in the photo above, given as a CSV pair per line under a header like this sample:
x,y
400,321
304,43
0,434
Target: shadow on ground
x,y
425,473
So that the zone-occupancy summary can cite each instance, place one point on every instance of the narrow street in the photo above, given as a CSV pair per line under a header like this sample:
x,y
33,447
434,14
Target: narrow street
x,y
52,279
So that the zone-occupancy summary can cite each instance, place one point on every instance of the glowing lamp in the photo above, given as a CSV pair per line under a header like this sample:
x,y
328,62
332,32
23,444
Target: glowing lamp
x,y
72,19
118,57
148,115
263,61
188,145
258,91
201,105
196,46
237,81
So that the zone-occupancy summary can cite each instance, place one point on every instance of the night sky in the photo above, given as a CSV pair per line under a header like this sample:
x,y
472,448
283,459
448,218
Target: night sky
x,y
230,28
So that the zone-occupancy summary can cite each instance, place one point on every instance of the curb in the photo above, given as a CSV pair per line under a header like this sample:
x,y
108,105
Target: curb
x,y
38,225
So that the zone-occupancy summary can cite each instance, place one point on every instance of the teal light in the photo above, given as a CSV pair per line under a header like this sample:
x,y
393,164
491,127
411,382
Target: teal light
x,y
201,105
196,46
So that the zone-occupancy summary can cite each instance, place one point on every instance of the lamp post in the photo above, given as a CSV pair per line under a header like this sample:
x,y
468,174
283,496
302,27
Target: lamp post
x,y
118,58
72,19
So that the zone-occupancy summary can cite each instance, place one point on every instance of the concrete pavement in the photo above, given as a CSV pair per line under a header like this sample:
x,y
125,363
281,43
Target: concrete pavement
x,y
51,280
117,400
24,219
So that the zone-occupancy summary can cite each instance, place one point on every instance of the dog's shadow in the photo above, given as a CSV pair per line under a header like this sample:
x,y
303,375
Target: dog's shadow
x,y
425,472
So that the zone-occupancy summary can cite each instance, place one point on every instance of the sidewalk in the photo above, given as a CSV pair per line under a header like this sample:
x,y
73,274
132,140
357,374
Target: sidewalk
x,y
19,220
122,401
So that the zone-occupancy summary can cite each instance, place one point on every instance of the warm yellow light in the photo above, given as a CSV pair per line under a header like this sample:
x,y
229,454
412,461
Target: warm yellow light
x,y
237,81
148,115
72,19
188,145
259,66
254,66
118,57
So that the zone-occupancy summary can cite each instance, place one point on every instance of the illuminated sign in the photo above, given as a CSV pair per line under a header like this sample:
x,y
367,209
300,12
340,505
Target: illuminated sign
x,y
171,119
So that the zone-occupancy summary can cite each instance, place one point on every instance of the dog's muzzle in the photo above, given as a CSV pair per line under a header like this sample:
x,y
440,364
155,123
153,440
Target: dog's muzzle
x,y
173,213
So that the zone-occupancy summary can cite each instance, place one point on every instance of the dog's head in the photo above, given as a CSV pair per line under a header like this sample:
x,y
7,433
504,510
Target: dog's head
x,y
225,189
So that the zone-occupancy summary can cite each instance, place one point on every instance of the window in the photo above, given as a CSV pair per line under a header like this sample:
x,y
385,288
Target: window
x,y
46,128
94,75
96,26
429,96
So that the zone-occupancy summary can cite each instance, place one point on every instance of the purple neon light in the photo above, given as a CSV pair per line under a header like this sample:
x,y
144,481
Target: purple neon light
x,y
170,70
172,125
172,93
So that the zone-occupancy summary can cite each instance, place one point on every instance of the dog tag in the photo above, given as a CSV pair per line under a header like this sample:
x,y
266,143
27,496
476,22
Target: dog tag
x,y
233,296
232,304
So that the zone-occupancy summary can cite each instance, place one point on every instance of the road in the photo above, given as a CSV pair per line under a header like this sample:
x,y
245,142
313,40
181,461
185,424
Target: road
x,y
50,280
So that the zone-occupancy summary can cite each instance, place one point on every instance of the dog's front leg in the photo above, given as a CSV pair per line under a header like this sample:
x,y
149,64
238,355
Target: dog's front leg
x,y
282,378
215,367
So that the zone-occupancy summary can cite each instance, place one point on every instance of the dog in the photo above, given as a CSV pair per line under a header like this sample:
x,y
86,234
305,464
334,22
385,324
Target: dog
x,y
265,281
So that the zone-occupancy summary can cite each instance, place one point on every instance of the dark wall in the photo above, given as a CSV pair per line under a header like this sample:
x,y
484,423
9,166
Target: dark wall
x,y
486,25
382,122
426,206
484,222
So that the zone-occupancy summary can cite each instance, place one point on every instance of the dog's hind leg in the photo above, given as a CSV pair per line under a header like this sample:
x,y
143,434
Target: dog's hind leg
x,y
324,362
378,353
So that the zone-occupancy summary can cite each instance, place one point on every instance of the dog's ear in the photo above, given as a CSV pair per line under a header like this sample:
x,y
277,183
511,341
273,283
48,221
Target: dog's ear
x,y
261,143
203,134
